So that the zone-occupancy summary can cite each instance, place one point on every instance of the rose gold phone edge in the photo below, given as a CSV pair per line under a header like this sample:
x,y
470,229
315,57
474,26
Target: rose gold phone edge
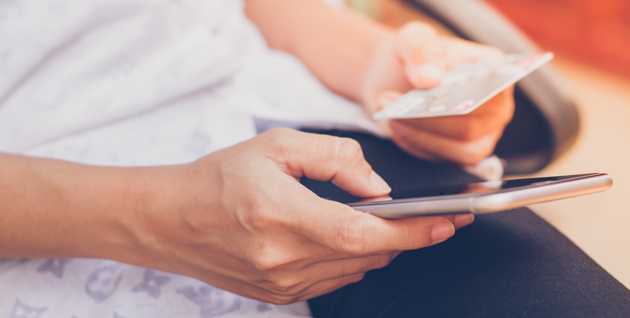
x,y
490,202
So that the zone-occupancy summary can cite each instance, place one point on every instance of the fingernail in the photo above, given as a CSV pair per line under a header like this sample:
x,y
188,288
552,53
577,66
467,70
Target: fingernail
x,y
429,71
462,220
442,231
379,183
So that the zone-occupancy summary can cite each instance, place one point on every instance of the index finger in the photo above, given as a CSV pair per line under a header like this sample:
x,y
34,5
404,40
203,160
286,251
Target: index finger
x,y
324,158
494,115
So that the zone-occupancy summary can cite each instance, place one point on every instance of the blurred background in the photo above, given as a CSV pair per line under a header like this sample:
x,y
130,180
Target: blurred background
x,y
591,40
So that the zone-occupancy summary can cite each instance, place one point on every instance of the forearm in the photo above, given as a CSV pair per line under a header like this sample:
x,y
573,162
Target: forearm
x,y
52,208
337,46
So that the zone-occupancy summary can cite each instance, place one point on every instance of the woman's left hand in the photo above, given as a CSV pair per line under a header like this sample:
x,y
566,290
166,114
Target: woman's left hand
x,y
415,56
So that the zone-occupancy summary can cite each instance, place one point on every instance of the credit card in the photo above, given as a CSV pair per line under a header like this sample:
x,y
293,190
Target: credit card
x,y
466,86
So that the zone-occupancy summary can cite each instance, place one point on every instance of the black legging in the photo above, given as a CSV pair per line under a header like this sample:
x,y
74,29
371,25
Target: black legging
x,y
510,264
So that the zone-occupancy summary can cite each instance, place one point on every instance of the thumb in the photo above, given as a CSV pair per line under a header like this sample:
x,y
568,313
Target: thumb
x,y
423,55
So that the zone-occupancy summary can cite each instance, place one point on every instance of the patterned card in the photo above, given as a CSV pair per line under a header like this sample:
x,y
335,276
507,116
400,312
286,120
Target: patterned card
x,y
465,87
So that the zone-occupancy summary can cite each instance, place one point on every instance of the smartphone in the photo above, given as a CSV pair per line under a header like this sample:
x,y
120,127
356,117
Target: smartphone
x,y
482,197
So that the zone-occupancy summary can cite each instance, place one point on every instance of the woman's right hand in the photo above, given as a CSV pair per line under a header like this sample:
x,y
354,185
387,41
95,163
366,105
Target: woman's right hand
x,y
240,220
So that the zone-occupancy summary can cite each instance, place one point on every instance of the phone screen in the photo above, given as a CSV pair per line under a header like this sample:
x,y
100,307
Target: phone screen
x,y
469,189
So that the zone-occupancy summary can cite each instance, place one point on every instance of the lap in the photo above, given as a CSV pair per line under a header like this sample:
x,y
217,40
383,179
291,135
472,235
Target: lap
x,y
508,264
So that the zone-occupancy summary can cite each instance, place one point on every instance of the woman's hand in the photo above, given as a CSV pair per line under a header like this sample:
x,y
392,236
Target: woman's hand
x,y
416,57
240,220
371,63
237,219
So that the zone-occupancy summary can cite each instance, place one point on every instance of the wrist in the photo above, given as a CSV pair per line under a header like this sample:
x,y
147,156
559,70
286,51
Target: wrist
x,y
149,201
106,211
160,223
377,71
336,45
361,41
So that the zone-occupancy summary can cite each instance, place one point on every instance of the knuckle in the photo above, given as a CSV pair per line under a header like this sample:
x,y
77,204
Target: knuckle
x,y
379,261
257,215
470,130
508,109
384,260
282,139
474,152
279,133
348,150
350,238
278,142
326,142
357,278
264,263
283,289
268,259
285,286
282,300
